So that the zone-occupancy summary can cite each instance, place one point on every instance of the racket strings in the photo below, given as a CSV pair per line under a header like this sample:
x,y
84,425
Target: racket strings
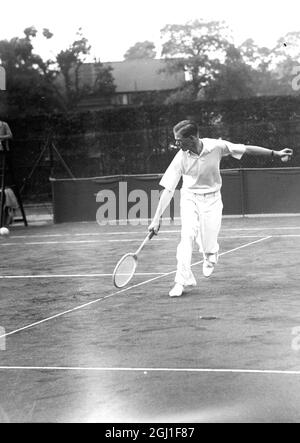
x,y
124,270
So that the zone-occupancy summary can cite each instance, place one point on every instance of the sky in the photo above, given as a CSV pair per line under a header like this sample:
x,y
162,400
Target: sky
x,y
113,26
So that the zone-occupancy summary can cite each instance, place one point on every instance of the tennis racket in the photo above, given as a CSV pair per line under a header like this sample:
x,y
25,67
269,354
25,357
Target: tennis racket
x,y
125,268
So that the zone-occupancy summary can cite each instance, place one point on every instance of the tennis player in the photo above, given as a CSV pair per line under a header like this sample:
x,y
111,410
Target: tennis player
x,y
198,163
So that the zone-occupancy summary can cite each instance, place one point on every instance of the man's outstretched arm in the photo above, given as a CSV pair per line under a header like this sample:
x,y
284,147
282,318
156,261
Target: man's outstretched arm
x,y
285,154
163,203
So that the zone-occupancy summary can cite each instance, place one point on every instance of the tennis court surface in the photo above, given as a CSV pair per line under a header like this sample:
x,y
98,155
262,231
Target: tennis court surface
x,y
76,349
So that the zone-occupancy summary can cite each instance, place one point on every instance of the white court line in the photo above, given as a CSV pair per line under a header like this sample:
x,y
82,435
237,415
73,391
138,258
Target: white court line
x,y
72,242
130,240
121,291
287,235
84,234
146,370
11,277
127,240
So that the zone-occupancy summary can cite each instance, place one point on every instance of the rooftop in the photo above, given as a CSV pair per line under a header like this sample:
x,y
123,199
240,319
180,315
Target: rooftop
x,y
136,75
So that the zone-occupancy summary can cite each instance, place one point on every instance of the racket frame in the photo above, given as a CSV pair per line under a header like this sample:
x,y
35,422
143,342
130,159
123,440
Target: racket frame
x,y
130,254
135,256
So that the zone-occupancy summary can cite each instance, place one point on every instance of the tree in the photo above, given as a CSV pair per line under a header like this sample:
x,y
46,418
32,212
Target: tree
x,y
104,83
47,34
234,79
287,46
141,50
30,86
257,57
261,60
273,68
286,60
216,69
36,86
69,62
199,48
185,94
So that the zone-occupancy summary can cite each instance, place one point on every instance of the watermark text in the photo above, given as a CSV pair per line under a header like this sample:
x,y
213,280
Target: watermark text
x,y
296,78
136,207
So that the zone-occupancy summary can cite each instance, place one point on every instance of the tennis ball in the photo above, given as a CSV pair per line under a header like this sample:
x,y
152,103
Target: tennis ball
x,y
285,158
4,231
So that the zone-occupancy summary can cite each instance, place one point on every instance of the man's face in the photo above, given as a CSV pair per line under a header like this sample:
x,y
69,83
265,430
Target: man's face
x,y
186,143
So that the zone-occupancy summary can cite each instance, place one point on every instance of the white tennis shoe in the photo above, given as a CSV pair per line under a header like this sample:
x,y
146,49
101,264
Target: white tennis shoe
x,y
177,290
209,265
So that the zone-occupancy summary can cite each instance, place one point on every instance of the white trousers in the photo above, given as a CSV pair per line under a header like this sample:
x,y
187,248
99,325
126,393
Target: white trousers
x,y
201,217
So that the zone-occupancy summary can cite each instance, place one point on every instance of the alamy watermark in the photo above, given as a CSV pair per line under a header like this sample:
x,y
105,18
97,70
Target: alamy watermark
x,y
296,78
2,339
135,208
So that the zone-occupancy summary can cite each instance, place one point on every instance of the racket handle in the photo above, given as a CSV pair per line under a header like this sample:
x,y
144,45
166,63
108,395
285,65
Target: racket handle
x,y
151,234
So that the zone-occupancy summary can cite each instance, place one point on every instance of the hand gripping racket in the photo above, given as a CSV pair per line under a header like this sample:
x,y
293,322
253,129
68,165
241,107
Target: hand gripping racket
x,y
125,268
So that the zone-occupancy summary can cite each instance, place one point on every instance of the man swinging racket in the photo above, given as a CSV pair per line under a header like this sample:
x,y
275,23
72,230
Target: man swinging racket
x,y
198,163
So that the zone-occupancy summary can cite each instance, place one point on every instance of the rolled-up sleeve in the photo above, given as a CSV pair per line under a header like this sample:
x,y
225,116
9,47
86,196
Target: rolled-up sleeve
x,y
235,150
171,177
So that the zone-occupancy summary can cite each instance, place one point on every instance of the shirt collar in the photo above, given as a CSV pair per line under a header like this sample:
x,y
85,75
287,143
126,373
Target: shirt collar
x,y
192,154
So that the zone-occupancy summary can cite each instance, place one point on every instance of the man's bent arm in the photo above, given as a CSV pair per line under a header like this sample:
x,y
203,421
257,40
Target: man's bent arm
x,y
163,203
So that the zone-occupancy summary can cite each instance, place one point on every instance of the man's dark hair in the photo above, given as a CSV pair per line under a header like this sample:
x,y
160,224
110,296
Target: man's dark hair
x,y
186,128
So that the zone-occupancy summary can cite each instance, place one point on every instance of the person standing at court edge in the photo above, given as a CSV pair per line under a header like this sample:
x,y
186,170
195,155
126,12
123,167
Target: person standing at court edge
x,y
5,134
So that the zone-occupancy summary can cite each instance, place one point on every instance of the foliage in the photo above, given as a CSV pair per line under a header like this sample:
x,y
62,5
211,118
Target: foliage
x,y
233,80
35,86
141,50
29,79
69,62
215,69
198,47
218,70
104,82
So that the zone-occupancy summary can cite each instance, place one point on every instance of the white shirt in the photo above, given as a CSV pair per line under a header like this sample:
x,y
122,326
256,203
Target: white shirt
x,y
200,173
